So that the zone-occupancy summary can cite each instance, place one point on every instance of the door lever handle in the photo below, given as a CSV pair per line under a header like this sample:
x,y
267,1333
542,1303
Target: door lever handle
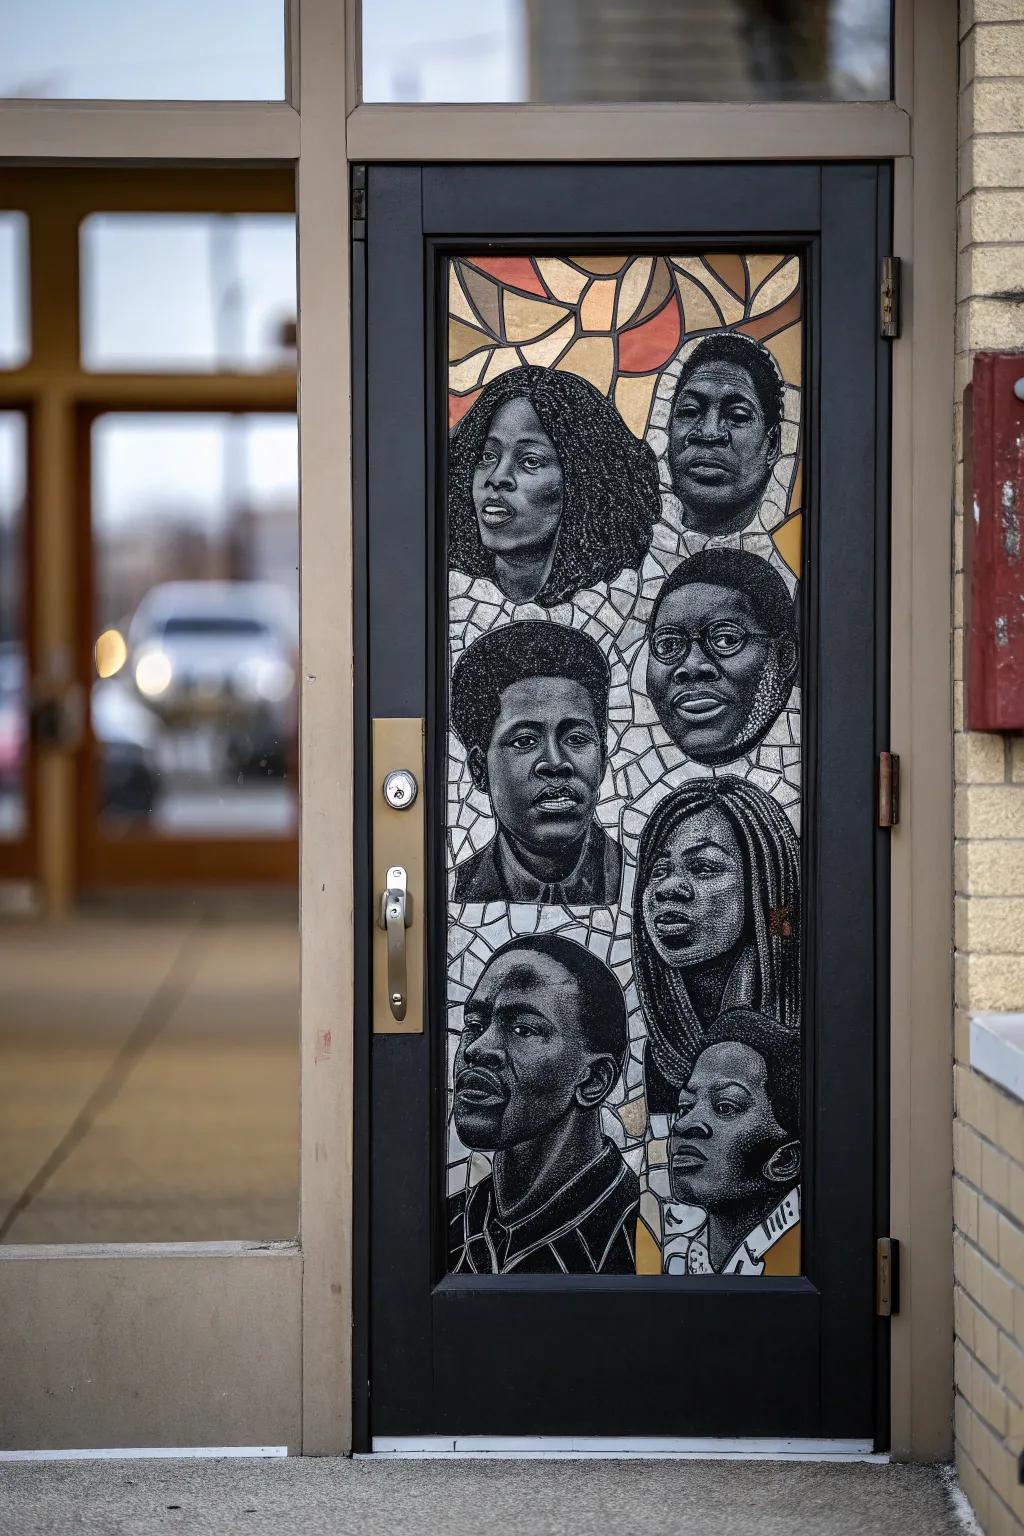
x,y
395,917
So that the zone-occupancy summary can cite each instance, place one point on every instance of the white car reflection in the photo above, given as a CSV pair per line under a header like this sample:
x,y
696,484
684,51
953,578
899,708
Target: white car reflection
x,y
218,660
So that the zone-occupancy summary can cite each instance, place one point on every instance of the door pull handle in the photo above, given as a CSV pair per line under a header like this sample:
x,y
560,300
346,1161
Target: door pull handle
x,y
395,917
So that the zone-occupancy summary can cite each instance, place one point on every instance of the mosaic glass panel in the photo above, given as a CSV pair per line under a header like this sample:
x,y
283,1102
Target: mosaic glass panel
x,y
623,782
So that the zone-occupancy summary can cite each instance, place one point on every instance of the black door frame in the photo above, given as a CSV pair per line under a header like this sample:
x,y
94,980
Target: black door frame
x,y
850,195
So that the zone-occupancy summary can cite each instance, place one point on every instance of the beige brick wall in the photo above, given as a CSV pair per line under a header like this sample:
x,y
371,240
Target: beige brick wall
x,y
988,1190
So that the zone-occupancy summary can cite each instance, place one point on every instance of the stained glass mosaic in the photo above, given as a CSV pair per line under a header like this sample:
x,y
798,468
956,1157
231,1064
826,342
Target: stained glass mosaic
x,y
625,472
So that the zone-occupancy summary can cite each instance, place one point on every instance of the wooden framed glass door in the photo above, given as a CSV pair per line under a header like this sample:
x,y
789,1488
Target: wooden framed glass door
x,y
188,651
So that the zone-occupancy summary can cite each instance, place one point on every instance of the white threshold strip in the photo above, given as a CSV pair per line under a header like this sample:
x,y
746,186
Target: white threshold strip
x,y
645,1447
152,1453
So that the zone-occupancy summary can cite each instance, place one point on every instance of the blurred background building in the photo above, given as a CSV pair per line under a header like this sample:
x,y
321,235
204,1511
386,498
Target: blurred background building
x,y
627,50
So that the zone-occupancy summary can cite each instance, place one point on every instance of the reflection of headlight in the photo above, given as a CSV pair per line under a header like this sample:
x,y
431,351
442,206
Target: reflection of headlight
x,y
153,674
110,652
264,678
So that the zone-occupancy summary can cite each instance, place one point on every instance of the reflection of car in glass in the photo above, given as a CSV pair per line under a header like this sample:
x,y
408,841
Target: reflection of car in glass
x,y
223,653
13,715
125,734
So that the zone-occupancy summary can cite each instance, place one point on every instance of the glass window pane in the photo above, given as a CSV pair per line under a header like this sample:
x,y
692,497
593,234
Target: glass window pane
x,y
162,50
164,1033
626,50
199,293
195,550
14,321
13,671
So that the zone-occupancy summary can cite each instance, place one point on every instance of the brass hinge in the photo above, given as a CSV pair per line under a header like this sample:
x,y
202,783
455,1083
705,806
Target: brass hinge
x,y
889,297
358,211
887,1277
888,789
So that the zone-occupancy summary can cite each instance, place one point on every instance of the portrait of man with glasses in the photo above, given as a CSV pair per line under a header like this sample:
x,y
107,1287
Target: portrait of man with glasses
x,y
723,651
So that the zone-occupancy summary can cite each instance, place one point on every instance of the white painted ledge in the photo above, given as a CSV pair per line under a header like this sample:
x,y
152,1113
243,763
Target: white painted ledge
x,y
997,1049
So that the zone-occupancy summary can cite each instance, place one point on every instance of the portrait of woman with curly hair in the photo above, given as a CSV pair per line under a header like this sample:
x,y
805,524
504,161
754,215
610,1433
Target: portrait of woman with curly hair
x,y
715,922
548,490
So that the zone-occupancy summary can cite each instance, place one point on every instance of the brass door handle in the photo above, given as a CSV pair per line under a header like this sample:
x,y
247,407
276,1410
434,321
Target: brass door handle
x,y
395,917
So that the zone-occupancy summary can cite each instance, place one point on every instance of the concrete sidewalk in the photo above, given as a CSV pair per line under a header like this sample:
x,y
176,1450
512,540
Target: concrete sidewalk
x,y
467,1498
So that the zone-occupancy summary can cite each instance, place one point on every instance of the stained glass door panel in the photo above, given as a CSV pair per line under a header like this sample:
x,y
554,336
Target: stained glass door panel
x,y
624,547
645,599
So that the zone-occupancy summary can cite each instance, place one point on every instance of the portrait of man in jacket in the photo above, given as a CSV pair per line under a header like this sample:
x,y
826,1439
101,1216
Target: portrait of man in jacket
x,y
529,701
543,1044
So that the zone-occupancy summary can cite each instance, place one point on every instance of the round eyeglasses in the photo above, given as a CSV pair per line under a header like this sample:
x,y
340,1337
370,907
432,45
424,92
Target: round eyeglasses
x,y
719,639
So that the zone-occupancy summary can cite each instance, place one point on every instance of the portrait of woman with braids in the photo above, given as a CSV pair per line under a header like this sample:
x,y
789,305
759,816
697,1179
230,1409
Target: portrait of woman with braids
x,y
715,922
548,490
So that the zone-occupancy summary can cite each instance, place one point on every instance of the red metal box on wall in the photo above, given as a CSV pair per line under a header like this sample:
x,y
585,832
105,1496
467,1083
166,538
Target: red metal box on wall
x,y
993,556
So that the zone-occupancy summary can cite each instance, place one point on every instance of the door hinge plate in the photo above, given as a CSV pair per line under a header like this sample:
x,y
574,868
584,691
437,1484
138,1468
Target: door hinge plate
x,y
358,210
889,297
888,789
887,1277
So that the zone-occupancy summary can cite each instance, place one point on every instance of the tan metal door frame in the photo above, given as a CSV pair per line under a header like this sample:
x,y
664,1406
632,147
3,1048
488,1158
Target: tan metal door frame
x,y
85,1372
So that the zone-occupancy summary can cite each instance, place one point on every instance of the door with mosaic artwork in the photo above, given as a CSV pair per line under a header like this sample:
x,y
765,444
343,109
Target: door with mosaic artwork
x,y
624,534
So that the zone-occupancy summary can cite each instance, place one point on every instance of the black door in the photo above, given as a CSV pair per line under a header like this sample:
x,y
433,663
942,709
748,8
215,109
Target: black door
x,y
621,513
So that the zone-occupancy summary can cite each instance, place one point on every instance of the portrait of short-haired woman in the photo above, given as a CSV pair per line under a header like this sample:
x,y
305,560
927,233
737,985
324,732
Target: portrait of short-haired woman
x,y
715,922
548,490
725,431
734,1155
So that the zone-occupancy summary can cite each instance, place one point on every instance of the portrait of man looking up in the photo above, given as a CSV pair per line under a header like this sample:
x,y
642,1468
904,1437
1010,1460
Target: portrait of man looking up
x,y
725,431
529,701
734,1154
543,1043
723,648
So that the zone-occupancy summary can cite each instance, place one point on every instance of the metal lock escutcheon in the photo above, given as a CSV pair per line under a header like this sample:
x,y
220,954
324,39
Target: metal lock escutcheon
x,y
400,789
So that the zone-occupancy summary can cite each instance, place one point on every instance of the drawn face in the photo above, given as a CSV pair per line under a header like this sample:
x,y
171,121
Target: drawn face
x,y
545,762
695,901
518,484
522,1056
716,679
720,449
725,1131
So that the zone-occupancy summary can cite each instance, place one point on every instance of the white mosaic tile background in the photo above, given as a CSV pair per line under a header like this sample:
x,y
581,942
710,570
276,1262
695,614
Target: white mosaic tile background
x,y
644,766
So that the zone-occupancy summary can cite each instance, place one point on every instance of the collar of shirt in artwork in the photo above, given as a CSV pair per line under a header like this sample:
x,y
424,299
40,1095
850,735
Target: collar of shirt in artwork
x,y
583,881
684,1245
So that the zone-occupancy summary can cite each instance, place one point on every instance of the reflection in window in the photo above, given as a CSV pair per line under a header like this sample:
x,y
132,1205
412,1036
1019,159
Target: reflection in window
x,y
13,671
200,293
14,321
159,50
626,50
195,702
